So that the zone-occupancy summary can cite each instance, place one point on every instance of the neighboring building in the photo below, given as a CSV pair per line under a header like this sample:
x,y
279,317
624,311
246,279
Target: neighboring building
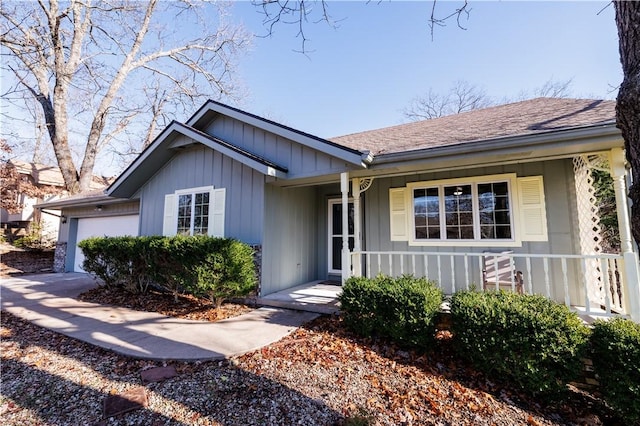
x,y
49,182
428,198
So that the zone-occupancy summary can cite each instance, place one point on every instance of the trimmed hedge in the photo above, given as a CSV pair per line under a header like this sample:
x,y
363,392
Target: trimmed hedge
x,y
529,339
402,309
215,268
615,351
119,261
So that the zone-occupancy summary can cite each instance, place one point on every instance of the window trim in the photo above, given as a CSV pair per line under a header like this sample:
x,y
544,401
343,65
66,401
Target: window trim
x,y
193,192
511,180
330,235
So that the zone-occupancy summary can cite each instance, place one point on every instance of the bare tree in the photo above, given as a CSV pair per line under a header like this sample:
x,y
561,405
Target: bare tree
x,y
462,96
89,66
296,12
628,100
550,89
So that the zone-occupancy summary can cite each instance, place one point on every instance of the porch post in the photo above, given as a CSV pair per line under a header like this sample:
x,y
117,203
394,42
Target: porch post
x,y
630,258
357,244
346,257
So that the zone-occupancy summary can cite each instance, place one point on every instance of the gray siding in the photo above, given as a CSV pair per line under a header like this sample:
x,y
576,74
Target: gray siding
x,y
65,232
325,193
290,249
301,161
202,166
560,205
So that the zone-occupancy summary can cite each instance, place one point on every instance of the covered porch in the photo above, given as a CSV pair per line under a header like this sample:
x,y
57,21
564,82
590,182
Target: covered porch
x,y
588,278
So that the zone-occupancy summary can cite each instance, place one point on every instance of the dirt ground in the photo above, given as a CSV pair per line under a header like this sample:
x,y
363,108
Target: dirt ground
x,y
16,261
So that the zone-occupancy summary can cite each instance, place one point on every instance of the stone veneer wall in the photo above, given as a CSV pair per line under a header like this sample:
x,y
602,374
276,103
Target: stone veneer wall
x,y
60,257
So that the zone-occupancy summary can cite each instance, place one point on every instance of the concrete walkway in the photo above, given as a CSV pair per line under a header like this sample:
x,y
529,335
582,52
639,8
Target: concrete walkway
x,y
48,300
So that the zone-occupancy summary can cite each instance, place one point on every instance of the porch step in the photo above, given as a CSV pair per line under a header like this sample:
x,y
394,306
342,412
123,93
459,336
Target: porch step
x,y
299,306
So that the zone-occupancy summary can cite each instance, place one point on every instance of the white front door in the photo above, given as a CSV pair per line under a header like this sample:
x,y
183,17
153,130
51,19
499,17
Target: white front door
x,y
335,234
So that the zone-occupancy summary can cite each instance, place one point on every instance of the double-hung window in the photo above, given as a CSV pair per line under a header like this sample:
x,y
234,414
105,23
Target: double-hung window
x,y
463,211
496,210
195,211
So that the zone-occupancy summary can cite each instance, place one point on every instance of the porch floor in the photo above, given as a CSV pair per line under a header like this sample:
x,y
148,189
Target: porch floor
x,y
315,296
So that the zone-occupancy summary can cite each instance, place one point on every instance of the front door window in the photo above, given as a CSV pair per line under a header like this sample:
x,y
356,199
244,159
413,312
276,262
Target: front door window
x,y
335,234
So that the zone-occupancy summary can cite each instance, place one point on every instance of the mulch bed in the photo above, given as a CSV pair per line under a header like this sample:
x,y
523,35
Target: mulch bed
x,y
321,374
186,307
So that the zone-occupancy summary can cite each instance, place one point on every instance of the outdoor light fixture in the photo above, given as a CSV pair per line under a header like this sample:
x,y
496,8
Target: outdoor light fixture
x,y
63,219
98,208
458,191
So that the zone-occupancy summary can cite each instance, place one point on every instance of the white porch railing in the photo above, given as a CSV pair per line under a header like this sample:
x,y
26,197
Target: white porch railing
x,y
594,284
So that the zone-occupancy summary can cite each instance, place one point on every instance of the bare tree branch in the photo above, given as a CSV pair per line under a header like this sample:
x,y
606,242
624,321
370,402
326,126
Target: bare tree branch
x,y
462,96
86,62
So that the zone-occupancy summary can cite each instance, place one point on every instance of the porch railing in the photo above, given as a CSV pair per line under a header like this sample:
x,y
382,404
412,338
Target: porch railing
x,y
594,284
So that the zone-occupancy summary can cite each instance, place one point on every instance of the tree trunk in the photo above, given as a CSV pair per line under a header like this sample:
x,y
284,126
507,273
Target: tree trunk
x,y
628,101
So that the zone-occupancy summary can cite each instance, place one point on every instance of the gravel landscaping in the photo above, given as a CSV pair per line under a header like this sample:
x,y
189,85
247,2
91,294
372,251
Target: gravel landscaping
x,y
319,375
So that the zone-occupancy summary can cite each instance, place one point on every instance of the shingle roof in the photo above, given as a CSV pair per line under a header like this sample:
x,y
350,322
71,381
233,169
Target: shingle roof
x,y
521,118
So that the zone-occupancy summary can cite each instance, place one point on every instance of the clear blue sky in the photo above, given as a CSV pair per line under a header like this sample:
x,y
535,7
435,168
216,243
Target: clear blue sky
x,y
361,75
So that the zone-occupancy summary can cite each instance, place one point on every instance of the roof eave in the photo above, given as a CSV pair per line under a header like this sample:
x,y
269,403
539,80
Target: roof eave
x,y
606,135
83,202
331,148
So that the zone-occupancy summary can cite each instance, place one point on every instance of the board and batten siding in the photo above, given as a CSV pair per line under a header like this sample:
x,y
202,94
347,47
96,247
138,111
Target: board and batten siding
x,y
301,161
201,166
560,212
290,248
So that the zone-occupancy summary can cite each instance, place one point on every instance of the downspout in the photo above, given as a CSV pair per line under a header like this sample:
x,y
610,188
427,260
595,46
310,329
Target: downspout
x,y
630,258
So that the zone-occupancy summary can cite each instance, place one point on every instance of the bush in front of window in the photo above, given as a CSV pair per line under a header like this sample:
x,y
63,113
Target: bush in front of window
x,y
227,272
402,309
530,340
615,351
215,268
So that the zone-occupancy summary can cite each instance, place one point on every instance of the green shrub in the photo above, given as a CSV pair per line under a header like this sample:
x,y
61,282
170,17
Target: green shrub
x,y
119,261
615,351
534,342
34,239
215,268
227,272
402,309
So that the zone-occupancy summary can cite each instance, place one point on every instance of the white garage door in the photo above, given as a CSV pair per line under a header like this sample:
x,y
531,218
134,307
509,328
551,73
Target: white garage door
x,y
113,226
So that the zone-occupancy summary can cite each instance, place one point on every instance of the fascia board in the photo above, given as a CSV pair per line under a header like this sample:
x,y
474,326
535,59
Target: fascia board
x,y
81,202
350,155
159,151
165,136
580,139
264,166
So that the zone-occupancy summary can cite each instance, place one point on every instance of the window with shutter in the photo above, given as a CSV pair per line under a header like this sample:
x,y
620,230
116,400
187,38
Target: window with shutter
x,y
496,210
194,211
533,218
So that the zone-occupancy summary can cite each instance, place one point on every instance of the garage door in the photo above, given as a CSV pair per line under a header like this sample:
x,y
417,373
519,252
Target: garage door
x,y
112,226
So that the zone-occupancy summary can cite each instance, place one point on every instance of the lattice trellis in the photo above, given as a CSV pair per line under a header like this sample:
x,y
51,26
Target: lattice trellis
x,y
588,212
598,276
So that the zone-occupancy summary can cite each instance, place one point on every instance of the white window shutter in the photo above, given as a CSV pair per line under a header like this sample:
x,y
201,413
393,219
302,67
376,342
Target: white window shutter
x,y
398,214
533,215
170,222
216,213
